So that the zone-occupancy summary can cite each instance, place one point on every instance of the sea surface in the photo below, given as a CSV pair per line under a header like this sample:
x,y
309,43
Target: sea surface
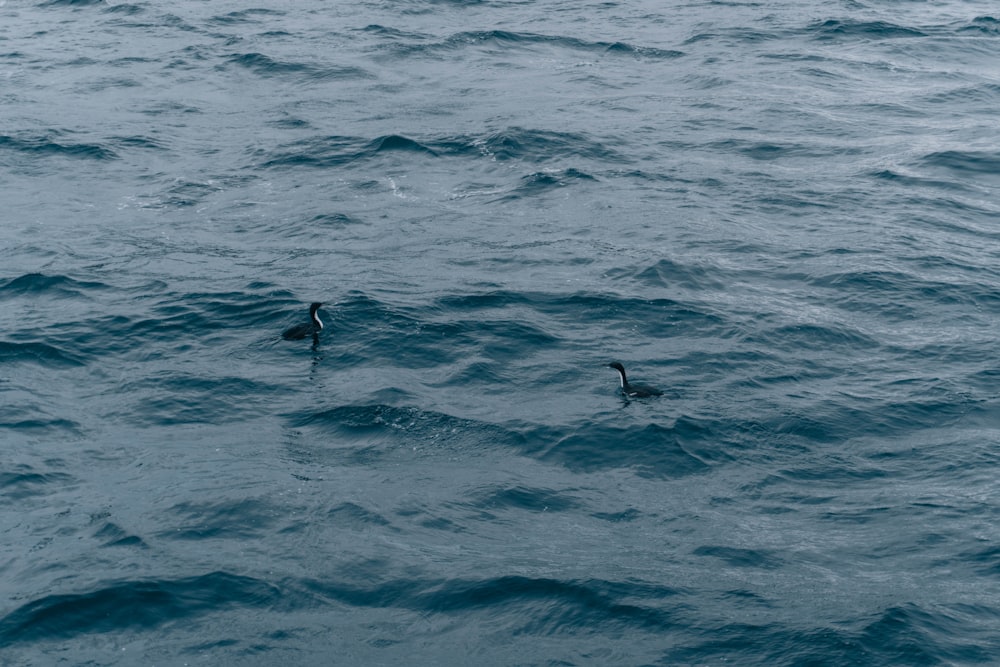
x,y
784,214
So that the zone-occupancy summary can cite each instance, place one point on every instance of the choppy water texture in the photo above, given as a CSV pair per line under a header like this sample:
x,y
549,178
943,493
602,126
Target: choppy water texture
x,y
784,214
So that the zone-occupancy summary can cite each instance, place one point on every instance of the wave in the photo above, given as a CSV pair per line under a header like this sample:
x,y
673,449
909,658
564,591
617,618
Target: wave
x,y
125,8
987,25
46,146
534,605
986,561
208,312
182,398
672,273
318,227
253,15
26,482
651,450
112,535
70,3
522,498
139,141
813,336
653,317
352,516
904,634
360,422
985,93
141,604
738,557
266,66
336,151
544,182
966,162
37,425
420,338
38,353
39,284
512,144
531,606
503,39
168,323
767,151
918,182
895,290
246,518
487,373
834,29
538,146
689,446
388,31
915,635
335,220
876,412
733,35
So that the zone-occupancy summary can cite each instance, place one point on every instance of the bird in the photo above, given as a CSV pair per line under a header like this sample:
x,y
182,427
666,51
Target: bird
x,y
634,390
311,328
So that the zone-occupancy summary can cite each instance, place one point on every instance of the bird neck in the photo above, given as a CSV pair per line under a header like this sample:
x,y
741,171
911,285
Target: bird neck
x,y
318,322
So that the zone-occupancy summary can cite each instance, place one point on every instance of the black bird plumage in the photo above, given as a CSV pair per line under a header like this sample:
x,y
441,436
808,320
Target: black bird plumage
x,y
634,390
310,328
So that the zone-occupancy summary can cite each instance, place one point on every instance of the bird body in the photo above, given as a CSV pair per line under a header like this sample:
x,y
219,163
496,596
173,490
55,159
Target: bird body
x,y
633,390
311,328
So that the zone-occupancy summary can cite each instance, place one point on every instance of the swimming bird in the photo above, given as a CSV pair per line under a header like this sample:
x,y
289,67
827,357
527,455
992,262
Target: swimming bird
x,y
311,328
634,390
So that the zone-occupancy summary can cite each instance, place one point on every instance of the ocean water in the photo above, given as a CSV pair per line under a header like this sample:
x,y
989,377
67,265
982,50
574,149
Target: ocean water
x,y
784,214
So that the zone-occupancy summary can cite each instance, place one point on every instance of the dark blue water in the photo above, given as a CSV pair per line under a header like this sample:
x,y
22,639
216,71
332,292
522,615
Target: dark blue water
x,y
783,214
